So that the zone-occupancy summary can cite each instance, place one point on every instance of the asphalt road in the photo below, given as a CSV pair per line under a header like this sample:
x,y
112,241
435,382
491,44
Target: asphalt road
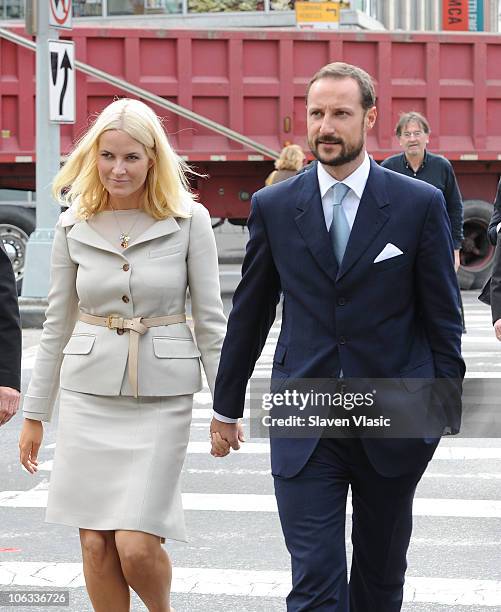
x,y
235,558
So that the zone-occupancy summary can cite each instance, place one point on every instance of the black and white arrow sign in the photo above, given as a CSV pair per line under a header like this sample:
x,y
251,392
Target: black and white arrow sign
x,y
62,81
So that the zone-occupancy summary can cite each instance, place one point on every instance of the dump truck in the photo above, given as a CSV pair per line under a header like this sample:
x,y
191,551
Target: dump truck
x,y
253,82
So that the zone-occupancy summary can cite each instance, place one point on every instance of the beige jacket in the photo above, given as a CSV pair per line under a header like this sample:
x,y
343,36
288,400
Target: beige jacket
x,y
150,278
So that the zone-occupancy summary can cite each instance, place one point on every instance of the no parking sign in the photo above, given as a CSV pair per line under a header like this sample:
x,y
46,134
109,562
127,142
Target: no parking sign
x,y
60,14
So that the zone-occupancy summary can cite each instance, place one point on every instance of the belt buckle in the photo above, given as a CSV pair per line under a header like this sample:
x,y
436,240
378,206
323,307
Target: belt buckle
x,y
109,321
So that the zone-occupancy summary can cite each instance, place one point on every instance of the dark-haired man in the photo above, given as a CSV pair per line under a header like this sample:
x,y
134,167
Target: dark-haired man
x,y
364,260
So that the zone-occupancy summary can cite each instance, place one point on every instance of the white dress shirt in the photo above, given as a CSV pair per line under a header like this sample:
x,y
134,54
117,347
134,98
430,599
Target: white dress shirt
x,y
356,181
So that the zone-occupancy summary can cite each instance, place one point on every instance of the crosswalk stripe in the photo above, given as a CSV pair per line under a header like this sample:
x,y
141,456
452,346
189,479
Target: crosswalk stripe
x,y
247,502
443,453
254,583
46,466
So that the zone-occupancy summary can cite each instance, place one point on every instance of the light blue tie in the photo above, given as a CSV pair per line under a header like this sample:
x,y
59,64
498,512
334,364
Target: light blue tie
x,y
340,228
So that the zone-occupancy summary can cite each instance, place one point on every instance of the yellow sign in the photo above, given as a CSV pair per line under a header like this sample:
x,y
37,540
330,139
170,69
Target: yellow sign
x,y
319,14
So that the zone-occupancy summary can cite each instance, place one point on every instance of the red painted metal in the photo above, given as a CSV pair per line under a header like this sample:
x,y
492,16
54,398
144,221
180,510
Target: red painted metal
x,y
253,81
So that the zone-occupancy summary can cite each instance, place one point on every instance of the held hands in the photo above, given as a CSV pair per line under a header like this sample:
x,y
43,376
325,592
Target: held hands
x,y
497,329
29,444
9,403
225,436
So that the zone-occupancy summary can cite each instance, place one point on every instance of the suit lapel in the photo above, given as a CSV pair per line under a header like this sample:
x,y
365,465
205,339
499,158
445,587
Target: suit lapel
x,y
311,223
369,221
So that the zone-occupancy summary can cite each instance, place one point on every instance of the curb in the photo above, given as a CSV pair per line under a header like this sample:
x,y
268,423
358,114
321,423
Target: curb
x,y
32,311
231,259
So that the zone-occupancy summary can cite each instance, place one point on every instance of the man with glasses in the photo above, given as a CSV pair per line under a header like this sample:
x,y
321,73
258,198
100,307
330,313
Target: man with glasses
x,y
413,133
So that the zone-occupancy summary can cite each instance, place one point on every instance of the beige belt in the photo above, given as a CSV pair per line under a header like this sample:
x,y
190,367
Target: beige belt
x,y
136,327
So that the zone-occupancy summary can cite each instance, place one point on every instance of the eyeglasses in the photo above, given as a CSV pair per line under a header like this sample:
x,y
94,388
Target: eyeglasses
x,y
416,134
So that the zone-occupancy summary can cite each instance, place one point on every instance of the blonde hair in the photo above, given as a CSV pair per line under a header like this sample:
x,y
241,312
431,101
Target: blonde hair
x,y
166,189
291,158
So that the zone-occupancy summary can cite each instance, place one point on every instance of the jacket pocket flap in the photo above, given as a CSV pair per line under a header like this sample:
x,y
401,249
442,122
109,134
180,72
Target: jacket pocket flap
x,y
161,251
79,345
419,376
280,352
174,349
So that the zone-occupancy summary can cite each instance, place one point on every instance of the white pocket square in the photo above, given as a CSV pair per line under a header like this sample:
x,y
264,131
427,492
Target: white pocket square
x,y
389,251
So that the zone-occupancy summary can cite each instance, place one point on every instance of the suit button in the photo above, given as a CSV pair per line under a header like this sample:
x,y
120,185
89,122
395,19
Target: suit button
x,y
120,331
342,340
126,267
341,301
125,299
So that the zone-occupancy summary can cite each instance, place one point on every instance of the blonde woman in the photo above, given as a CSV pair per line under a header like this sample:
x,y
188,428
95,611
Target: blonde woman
x,y
116,345
291,160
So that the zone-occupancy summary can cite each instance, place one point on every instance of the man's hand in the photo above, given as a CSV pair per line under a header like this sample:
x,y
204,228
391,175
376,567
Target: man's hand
x,y
457,261
497,329
225,436
9,403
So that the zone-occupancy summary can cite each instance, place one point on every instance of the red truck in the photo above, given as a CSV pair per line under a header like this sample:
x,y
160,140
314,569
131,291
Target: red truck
x,y
253,81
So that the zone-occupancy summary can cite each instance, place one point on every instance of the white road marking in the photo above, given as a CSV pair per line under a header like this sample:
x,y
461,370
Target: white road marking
x,y
46,466
443,452
252,583
247,502
482,374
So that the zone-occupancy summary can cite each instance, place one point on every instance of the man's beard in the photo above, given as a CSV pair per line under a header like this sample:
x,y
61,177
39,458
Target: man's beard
x,y
347,154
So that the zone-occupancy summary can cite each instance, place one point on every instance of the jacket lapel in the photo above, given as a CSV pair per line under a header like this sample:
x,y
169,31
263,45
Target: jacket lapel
x,y
158,229
83,232
370,219
311,223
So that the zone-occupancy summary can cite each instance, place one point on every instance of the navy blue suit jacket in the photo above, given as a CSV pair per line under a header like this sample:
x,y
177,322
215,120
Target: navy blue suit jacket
x,y
393,319
10,326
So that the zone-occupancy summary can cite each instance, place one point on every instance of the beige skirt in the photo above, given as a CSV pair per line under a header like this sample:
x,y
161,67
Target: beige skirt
x,y
118,461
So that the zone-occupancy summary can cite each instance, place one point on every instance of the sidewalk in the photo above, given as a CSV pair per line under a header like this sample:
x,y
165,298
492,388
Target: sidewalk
x,y
231,241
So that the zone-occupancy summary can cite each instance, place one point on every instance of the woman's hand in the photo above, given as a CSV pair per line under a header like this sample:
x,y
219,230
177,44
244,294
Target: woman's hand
x,y
224,436
29,443
497,329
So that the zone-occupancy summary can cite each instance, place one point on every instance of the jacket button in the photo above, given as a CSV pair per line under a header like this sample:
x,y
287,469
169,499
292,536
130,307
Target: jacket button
x,y
125,299
126,267
342,340
120,331
341,301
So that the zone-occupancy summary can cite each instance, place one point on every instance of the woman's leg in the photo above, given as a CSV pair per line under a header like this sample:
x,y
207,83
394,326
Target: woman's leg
x,y
106,585
146,568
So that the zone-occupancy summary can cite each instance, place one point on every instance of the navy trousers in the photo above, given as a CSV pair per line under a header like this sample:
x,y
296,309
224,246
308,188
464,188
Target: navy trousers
x,y
312,509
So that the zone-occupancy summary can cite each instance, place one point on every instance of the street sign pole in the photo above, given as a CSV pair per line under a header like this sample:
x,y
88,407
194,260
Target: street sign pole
x,y
36,277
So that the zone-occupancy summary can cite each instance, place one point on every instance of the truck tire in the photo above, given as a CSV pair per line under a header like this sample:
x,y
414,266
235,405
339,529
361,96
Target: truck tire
x,y
16,225
476,251
238,221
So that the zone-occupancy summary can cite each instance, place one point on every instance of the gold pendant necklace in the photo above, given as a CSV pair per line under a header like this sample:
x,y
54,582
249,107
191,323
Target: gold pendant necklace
x,y
125,235
124,240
